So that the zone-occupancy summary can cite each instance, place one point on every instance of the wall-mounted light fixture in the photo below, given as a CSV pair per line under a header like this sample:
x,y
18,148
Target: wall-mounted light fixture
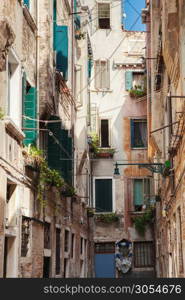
x,y
153,167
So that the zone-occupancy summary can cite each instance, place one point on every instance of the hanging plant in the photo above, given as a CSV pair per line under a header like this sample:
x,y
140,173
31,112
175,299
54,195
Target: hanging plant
x,y
48,178
141,222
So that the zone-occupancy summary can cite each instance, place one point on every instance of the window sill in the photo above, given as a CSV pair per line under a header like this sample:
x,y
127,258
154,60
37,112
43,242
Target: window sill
x,y
102,91
139,148
133,212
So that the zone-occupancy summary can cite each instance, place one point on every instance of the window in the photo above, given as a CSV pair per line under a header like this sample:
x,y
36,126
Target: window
x,y
58,231
103,195
66,245
102,74
141,193
66,267
72,245
143,254
104,15
47,241
138,133
13,108
81,245
105,133
82,265
135,80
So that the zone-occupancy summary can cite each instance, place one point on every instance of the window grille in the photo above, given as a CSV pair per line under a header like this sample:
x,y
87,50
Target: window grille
x,y
143,254
138,133
104,248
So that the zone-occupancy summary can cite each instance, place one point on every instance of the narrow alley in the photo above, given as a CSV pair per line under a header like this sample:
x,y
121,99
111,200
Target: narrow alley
x,y
92,128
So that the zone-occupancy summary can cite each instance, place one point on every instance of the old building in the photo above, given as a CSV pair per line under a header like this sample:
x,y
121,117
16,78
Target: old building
x,y
166,110
118,133
45,230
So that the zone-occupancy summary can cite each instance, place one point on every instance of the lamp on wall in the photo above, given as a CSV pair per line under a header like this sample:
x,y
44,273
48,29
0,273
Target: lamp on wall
x,y
153,167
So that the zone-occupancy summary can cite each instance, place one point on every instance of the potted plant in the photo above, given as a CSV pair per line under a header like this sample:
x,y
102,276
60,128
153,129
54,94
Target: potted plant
x,y
137,92
79,35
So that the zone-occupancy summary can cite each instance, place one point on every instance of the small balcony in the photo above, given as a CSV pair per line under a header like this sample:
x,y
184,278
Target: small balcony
x,y
97,151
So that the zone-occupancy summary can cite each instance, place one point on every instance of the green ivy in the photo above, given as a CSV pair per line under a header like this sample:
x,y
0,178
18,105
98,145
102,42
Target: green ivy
x,y
141,222
47,177
95,142
108,218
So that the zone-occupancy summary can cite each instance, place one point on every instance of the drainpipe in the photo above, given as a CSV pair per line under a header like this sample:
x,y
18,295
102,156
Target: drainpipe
x,y
37,67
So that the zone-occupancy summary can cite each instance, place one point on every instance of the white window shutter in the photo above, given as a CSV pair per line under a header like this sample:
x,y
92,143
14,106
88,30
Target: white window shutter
x,y
108,74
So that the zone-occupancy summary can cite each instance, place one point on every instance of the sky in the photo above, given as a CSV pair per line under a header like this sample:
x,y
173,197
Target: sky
x,y
132,10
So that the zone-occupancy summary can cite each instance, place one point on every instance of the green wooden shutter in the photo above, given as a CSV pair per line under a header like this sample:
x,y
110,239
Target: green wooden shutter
x,y
53,148
27,3
61,47
138,191
60,155
90,63
64,154
103,195
29,110
128,80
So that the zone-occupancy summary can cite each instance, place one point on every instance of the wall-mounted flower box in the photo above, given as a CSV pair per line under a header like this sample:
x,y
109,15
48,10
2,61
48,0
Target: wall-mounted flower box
x,y
105,152
104,155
